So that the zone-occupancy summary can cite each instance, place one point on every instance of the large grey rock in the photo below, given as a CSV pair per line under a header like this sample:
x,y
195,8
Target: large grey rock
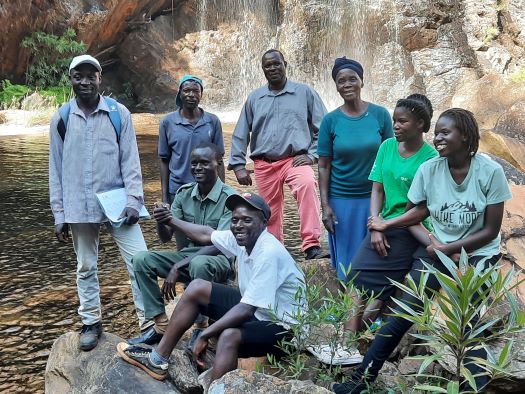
x,y
244,382
184,373
100,370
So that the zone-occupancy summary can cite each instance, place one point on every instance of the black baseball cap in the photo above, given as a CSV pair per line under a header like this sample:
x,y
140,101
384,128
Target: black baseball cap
x,y
252,200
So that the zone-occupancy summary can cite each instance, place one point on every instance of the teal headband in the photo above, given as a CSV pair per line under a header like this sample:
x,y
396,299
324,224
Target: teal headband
x,y
187,78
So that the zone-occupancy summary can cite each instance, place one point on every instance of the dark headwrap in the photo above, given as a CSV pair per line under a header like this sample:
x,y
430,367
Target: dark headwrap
x,y
342,63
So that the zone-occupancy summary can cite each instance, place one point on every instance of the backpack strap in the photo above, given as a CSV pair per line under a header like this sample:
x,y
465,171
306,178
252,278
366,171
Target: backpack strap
x,y
64,117
114,115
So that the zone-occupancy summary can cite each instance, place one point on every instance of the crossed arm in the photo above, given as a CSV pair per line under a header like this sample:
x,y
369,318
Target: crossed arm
x,y
489,231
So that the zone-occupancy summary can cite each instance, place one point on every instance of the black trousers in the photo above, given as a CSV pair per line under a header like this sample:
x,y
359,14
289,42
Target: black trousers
x,y
394,328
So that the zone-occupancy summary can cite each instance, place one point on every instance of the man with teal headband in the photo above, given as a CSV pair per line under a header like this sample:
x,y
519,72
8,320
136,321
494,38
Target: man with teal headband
x,y
182,131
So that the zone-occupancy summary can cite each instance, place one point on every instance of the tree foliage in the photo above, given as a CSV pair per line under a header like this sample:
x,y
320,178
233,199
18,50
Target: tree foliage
x,y
50,56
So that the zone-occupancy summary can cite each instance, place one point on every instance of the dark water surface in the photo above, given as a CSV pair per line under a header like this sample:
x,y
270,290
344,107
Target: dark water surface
x,y
37,276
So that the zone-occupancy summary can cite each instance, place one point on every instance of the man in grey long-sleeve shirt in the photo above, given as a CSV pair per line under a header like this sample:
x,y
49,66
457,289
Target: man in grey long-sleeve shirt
x,y
280,122
90,156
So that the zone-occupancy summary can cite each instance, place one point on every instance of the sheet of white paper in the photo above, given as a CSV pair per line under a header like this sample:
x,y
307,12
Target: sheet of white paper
x,y
113,203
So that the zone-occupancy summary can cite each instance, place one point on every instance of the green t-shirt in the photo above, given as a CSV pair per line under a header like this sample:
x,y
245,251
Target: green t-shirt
x,y
396,173
458,211
352,143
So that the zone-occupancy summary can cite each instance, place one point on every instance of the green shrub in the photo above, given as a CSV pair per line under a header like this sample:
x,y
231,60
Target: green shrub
x,y
49,57
322,322
11,95
453,322
61,94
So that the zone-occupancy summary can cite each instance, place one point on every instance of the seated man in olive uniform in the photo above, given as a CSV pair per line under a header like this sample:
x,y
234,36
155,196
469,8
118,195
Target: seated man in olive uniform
x,y
201,202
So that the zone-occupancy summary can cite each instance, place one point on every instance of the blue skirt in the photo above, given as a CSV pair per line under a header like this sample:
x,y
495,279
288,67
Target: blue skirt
x,y
352,216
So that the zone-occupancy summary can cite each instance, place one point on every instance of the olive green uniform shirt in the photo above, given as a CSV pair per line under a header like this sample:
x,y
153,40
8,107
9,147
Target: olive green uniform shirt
x,y
210,210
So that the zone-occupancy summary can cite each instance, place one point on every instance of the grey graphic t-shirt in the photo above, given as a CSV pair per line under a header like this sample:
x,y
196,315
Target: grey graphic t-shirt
x,y
459,210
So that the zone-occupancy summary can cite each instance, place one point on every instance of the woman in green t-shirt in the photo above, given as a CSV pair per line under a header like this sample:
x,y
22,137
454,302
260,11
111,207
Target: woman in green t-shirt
x,y
383,257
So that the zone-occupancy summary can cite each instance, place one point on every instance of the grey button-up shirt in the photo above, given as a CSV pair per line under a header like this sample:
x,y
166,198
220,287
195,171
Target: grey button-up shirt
x,y
178,137
90,160
278,125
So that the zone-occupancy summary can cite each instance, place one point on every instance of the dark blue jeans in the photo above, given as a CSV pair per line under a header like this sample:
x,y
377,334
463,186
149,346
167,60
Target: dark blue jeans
x,y
391,333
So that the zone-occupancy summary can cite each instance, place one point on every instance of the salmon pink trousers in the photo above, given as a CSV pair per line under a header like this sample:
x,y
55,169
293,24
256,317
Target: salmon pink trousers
x,y
271,177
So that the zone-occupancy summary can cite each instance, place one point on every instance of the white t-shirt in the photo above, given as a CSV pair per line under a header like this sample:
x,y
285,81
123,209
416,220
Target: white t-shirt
x,y
268,277
458,211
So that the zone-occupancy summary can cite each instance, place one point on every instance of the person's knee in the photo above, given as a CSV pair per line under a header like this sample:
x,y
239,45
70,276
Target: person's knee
x,y
231,337
201,268
139,261
198,290
309,183
86,270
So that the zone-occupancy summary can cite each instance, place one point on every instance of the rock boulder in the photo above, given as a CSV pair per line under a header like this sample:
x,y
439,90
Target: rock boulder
x,y
100,370
244,382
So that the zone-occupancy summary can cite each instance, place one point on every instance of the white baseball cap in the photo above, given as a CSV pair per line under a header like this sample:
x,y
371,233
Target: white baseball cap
x,y
78,60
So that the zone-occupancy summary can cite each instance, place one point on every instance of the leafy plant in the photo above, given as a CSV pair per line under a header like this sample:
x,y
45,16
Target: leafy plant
x,y
469,295
11,95
322,322
50,56
59,94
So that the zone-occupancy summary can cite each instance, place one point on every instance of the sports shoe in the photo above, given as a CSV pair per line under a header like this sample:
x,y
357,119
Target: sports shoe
x,y
89,336
348,387
341,356
194,335
141,357
148,337
315,252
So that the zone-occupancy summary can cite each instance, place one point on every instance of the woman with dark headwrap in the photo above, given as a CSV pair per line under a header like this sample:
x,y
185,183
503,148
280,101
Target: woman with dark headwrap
x,y
349,138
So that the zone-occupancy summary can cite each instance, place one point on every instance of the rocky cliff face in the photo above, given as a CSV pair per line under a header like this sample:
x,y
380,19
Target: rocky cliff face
x,y
459,52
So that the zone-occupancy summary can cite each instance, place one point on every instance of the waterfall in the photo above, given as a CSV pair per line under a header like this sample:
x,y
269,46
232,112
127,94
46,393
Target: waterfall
x,y
311,34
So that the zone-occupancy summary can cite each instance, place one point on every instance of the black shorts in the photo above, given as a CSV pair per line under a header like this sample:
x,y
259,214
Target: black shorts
x,y
258,338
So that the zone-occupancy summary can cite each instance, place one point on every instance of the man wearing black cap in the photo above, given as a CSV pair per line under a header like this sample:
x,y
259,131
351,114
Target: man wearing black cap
x,y
268,282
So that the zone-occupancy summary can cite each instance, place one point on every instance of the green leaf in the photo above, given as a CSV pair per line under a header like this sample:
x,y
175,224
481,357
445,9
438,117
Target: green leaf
x,y
468,376
453,387
428,387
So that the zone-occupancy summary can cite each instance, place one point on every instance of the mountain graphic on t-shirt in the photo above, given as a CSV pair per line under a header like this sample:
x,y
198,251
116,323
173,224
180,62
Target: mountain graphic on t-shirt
x,y
458,206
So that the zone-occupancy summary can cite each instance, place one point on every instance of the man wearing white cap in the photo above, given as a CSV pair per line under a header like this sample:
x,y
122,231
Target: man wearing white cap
x,y
93,149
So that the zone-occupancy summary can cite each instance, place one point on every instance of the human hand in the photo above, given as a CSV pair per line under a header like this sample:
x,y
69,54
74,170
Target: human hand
x,y
62,232
162,213
329,218
302,160
243,176
199,351
377,223
131,215
168,288
435,244
379,243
